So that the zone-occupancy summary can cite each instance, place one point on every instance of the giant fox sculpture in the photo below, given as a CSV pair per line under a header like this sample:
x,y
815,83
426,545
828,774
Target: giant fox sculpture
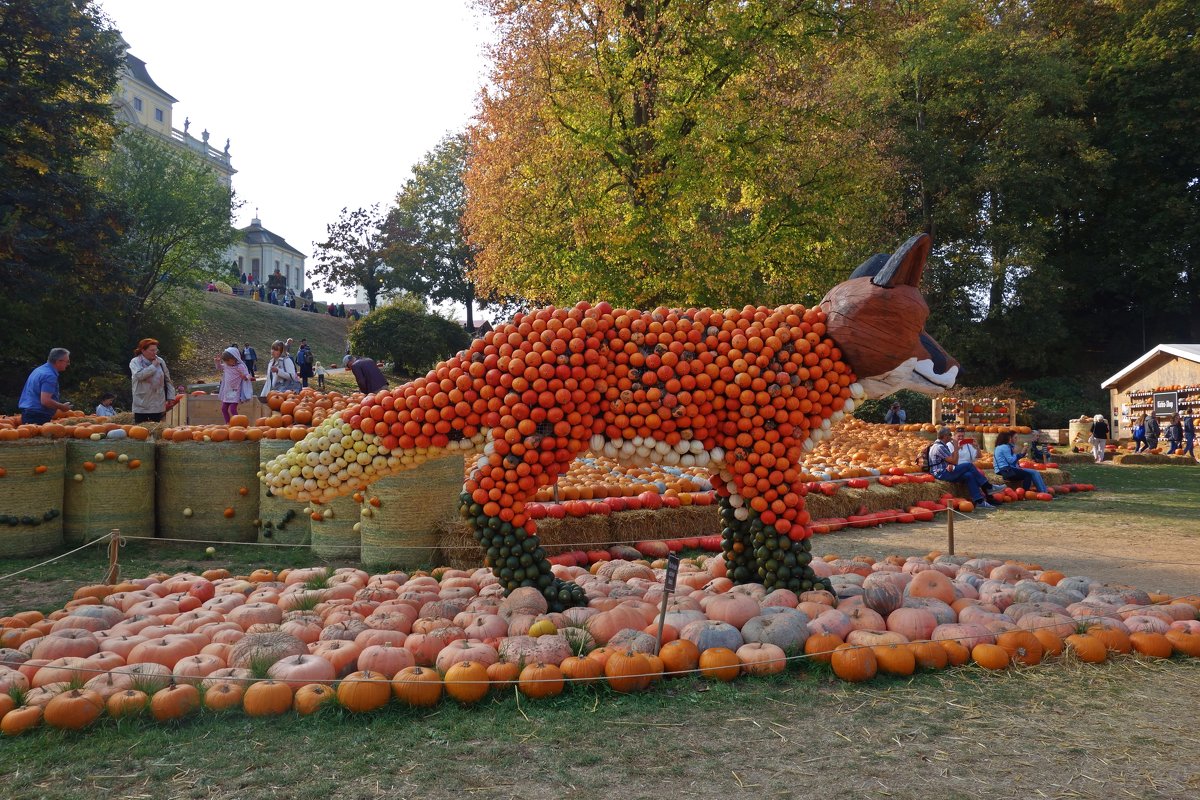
x,y
742,392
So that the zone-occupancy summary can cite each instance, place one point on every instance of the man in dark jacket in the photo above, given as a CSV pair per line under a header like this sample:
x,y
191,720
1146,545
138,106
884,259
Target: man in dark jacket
x,y
367,375
1152,431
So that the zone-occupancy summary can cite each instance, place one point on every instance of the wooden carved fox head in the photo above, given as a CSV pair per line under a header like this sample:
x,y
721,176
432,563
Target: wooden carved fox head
x,y
877,317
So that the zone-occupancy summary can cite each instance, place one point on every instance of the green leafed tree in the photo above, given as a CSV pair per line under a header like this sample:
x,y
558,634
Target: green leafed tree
x,y
985,110
175,218
646,152
58,68
408,335
352,254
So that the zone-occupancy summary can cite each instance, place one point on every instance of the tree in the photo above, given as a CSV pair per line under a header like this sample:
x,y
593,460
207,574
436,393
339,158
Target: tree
x,y
353,255
175,213
404,332
985,107
426,245
58,69
648,152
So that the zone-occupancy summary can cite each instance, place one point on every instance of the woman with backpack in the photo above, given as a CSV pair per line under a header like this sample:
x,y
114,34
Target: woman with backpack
x,y
1139,435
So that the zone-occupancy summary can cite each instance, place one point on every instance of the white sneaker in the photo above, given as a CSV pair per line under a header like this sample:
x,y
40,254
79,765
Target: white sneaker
x,y
985,505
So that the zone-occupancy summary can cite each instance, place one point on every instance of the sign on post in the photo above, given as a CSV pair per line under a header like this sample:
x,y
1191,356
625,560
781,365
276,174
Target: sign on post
x,y
668,588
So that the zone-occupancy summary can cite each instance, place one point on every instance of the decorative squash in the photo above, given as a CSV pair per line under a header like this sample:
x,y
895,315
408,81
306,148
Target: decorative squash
x,y
762,658
679,657
364,691
312,698
990,656
174,702
267,699
956,652
78,708
1022,646
541,680
1147,643
1115,640
931,583
1052,643
720,663
820,646
223,696
854,664
929,655
467,682
20,720
503,674
1087,648
894,659
580,670
420,687
627,671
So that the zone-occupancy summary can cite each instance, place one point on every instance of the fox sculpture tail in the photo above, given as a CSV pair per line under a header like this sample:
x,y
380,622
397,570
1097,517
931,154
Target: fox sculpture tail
x,y
743,393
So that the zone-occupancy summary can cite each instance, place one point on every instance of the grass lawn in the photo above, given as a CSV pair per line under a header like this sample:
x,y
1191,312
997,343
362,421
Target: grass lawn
x,y
1062,729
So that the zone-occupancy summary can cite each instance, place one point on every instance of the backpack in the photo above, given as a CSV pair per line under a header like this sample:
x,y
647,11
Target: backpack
x,y
923,457
301,357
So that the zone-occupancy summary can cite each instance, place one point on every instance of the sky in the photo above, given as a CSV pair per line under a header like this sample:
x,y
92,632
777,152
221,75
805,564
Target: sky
x,y
326,105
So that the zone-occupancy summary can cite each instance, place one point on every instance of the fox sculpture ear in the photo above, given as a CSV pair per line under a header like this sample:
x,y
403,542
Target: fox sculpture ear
x,y
905,266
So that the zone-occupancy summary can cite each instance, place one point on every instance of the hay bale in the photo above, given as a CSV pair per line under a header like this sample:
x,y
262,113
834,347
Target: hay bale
x,y
1132,459
576,533
459,548
112,495
31,498
281,521
207,478
334,535
402,529
699,520
627,527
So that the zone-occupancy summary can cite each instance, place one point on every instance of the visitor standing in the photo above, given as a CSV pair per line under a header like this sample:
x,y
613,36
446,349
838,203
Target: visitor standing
x,y
1099,437
249,358
1189,436
319,371
1152,432
151,383
1174,434
236,383
281,372
304,362
40,398
895,415
1139,435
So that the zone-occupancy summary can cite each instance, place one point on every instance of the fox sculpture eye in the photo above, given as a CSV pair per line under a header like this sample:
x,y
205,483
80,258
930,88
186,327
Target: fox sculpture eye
x,y
741,393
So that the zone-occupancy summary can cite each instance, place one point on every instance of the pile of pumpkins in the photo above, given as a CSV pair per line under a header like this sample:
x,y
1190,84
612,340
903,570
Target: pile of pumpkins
x,y
170,645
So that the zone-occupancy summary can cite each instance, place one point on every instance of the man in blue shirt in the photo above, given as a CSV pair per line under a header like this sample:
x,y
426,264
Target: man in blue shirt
x,y
944,464
39,398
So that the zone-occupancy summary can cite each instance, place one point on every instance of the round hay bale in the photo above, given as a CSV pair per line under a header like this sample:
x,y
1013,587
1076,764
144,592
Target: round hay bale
x,y
1079,432
401,529
31,496
334,535
988,443
199,483
109,493
281,520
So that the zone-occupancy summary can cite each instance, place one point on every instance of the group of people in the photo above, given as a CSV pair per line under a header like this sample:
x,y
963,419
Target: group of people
x,y
952,458
1180,434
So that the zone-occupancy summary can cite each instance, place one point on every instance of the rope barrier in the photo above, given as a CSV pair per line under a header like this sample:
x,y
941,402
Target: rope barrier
x,y
56,558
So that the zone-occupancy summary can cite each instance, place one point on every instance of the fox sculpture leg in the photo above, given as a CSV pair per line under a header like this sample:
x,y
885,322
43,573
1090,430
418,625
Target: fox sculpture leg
x,y
743,393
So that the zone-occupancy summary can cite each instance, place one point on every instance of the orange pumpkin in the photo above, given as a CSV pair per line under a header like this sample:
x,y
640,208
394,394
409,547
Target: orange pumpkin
x,y
540,680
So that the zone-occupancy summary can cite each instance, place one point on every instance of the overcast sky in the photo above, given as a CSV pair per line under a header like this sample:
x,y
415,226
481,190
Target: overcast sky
x,y
327,105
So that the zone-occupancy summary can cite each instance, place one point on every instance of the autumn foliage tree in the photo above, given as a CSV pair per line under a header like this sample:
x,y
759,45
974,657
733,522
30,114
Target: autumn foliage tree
x,y
653,152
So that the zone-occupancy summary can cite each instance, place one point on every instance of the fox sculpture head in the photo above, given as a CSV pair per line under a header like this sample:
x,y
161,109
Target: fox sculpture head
x,y
741,394
877,317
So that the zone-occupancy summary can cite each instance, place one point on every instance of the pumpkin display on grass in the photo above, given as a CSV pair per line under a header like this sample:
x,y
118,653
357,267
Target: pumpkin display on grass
x,y
990,656
719,663
20,720
580,670
1022,646
504,674
1087,648
929,655
679,657
1151,644
627,671
854,663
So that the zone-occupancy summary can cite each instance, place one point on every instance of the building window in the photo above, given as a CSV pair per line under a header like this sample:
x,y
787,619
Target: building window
x,y
137,103
158,115
256,269
241,264
277,265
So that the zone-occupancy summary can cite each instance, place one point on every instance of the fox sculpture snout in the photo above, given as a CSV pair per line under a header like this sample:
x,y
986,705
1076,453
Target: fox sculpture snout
x,y
878,316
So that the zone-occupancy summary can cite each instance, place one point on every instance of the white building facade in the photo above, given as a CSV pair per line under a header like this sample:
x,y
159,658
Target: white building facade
x,y
260,253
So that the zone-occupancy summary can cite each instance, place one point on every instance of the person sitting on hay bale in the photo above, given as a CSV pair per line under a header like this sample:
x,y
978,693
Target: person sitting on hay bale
x,y
1007,464
944,464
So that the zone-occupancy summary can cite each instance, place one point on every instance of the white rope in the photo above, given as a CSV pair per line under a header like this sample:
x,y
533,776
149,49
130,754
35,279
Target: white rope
x,y
103,538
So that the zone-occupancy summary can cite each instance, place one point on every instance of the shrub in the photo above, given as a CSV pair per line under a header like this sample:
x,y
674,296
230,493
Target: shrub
x,y
407,335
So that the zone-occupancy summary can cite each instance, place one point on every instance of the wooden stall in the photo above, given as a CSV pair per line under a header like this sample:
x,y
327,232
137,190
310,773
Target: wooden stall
x,y
1163,382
